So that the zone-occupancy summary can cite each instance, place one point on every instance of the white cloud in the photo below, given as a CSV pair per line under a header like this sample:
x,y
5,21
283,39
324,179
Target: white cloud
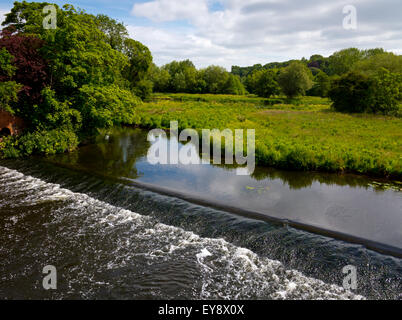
x,y
260,31
168,45
2,13
168,10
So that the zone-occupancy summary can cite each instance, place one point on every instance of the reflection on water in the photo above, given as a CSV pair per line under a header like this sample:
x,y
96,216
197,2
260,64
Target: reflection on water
x,y
109,239
120,153
114,155
342,203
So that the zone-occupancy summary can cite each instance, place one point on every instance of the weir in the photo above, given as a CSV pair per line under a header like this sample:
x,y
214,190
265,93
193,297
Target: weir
x,y
108,236
93,200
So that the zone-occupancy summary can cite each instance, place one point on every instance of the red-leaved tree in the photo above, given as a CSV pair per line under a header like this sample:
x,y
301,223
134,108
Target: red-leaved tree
x,y
32,70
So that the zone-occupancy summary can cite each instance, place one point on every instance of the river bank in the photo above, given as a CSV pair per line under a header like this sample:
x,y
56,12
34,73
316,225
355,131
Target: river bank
x,y
306,135
92,204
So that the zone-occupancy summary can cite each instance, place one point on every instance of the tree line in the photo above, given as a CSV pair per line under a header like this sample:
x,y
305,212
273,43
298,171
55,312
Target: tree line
x,y
355,80
88,74
183,77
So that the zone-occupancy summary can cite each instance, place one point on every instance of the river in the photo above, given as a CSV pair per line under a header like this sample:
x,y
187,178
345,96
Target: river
x,y
117,227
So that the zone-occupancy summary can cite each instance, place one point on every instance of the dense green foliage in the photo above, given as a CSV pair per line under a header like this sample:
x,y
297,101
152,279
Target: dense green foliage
x,y
342,61
303,136
93,74
374,64
216,79
295,80
373,89
263,83
137,71
357,92
8,89
338,63
88,75
321,86
107,106
40,142
183,77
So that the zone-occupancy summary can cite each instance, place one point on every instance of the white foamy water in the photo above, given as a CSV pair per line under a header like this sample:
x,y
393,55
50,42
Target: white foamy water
x,y
115,249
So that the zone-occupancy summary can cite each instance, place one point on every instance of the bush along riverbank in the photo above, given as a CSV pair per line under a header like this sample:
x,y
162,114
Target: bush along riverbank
x,y
86,75
68,82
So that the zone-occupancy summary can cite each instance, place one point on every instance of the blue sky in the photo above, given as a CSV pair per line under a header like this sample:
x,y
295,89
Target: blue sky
x,y
240,32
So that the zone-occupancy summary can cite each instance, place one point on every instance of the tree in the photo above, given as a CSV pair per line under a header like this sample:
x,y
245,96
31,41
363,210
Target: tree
x,y
183,76
116,33
9,95
375,63
387,92
140,60
140,57
106,106
322,84
143,88
357,92
52,114
160,78
233,85
295,79
244,72
215,78
343,61
263,83
75,79
30,68
137,71
369,53
351,92
8,89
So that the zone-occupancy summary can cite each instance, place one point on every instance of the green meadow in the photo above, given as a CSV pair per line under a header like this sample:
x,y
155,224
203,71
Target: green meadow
x,y
300,134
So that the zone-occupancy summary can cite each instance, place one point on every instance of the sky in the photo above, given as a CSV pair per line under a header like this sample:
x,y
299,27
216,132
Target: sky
x,y
246,32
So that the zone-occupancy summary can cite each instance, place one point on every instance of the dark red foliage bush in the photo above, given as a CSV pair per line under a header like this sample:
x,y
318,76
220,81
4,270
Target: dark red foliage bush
x,y
32,70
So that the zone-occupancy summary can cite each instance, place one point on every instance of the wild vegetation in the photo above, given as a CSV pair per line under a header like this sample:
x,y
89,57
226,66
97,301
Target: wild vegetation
x,y
373,70
183,77
336,113
68,81
305,135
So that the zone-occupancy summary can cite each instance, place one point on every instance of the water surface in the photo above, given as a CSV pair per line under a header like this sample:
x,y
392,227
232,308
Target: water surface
x,y
112,239
340,203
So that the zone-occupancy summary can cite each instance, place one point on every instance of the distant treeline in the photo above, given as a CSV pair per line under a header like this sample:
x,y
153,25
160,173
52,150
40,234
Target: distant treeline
x,y
337,64
183,77
355,80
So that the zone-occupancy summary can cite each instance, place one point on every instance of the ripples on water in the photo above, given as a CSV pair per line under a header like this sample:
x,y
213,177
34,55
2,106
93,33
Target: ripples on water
x,y
90,230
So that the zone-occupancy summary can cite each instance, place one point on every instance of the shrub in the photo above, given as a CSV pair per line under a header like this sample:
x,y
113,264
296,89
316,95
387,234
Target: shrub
x,y
387,92
53,114
143,89
350,93
263,83
357,93
321,86
39,142
106,106
295,80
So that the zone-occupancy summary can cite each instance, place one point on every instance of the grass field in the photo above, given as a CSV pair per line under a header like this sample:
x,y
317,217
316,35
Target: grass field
x,y
302,134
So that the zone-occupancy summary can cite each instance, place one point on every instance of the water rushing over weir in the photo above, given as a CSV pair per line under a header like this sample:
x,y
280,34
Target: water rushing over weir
x,y
109,239
104,251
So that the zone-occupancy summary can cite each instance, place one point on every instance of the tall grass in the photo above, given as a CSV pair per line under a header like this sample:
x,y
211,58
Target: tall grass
x,y
304,134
